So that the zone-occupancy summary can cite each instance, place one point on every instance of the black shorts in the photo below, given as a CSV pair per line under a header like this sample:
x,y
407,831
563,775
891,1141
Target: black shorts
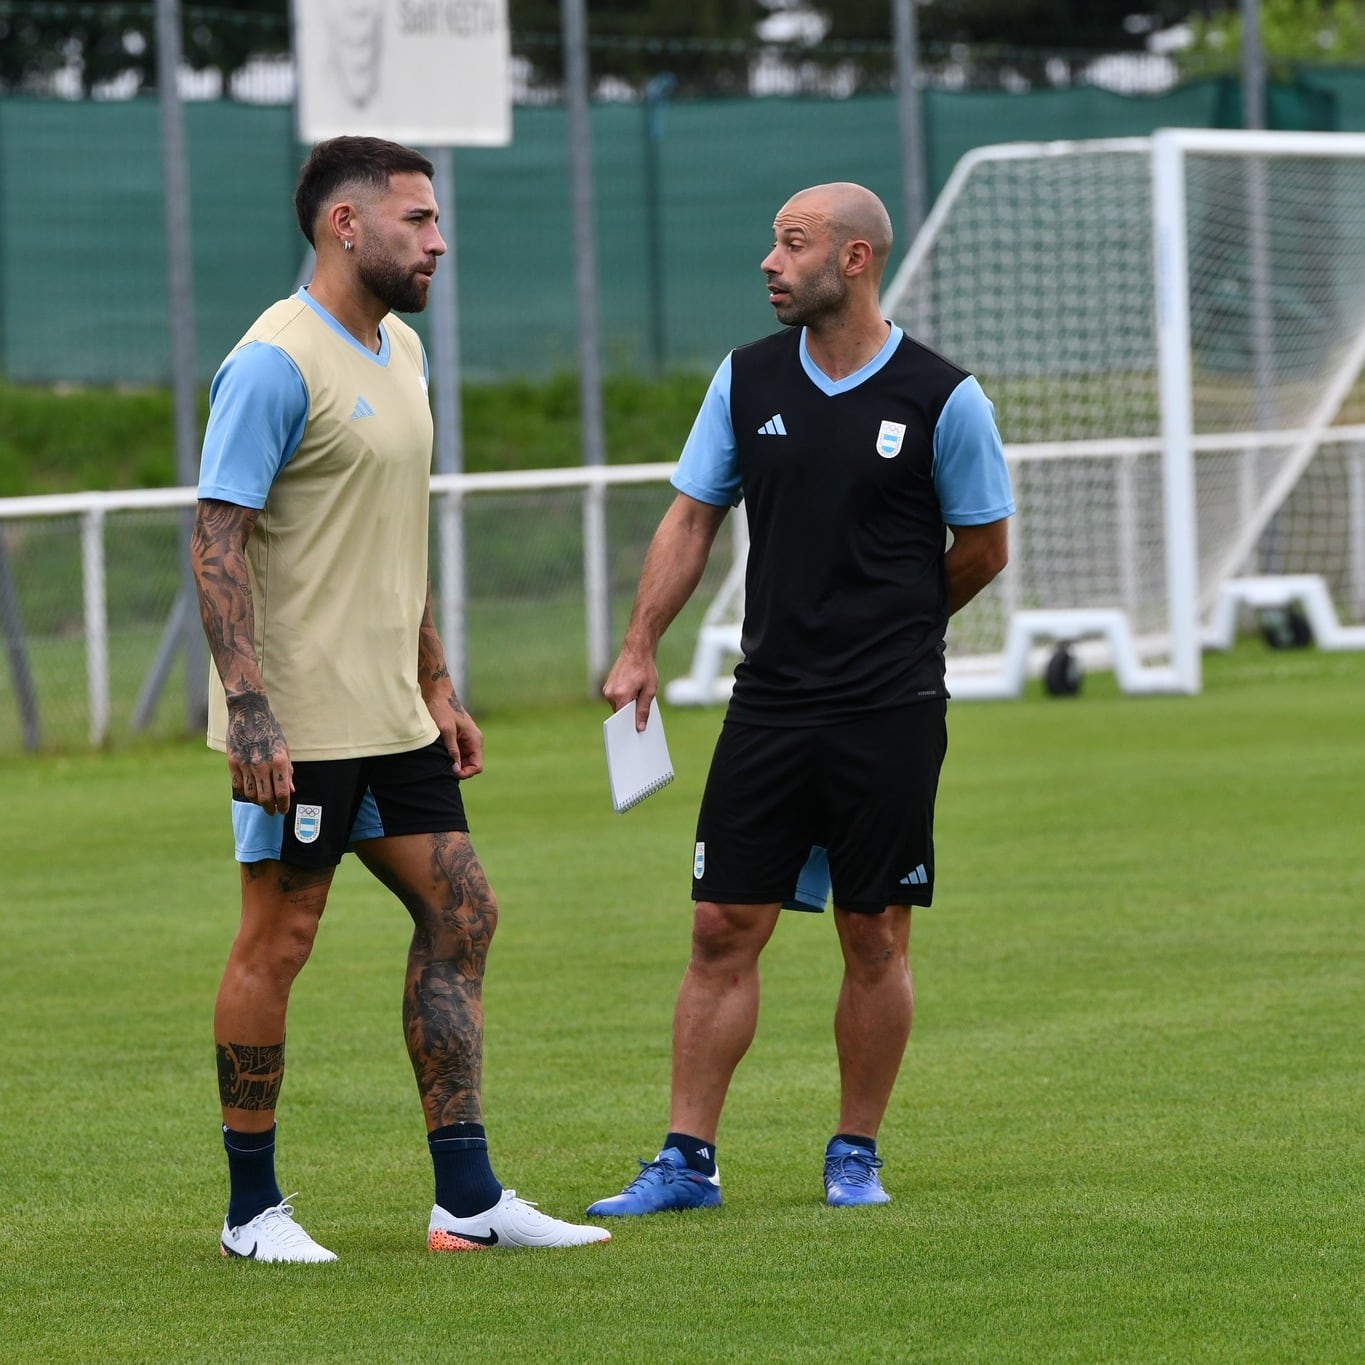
x,y
338,802
863,789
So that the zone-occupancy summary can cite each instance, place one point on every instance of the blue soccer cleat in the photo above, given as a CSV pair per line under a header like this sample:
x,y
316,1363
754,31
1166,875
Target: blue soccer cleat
x,y
851,1175
664,1184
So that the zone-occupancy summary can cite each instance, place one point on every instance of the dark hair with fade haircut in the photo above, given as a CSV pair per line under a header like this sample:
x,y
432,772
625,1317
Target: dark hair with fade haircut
x,y
342,161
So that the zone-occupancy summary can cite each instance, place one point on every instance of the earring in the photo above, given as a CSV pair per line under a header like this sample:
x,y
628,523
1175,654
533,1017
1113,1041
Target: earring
x,y
346,246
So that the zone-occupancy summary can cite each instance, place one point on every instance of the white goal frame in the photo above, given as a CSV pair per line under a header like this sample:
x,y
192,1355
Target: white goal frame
x,y
1202,600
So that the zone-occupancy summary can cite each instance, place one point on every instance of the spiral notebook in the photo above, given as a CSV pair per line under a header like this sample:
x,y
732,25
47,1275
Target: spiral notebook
x,y
638,764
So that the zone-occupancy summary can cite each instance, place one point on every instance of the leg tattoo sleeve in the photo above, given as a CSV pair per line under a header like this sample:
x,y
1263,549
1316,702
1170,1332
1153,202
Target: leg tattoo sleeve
x,y
250,1077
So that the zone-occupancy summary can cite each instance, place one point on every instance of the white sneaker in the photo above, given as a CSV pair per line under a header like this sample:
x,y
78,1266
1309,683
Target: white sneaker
x,y
511,1222
273,1236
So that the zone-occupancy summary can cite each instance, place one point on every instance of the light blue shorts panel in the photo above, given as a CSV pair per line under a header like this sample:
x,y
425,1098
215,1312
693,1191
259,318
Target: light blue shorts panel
x,y
812,883
339,802
367,823
258,835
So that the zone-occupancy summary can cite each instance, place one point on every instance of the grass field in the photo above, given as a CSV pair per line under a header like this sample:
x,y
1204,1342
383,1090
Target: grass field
x,y
1129,1127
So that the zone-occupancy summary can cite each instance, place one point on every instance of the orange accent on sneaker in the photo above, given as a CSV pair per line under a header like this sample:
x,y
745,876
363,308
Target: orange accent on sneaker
x,y
440,1240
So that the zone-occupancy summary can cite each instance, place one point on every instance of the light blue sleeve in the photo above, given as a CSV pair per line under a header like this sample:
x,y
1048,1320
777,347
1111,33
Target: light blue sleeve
x,y
258,408
970,475
708,468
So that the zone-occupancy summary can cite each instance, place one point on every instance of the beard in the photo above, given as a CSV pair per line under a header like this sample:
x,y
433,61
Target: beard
x,y
822,294
396,288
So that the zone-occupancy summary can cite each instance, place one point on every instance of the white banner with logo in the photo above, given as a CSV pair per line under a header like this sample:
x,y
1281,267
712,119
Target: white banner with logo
x,y
429,73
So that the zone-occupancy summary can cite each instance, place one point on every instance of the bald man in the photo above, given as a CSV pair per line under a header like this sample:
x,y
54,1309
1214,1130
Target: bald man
x,y
855,450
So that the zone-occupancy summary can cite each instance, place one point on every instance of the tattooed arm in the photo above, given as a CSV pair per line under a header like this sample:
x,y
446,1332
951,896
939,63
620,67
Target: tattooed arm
x,y
463,739
258,757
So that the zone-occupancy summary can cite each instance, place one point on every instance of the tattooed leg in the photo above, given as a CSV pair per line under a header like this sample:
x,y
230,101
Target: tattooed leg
x,y
442,884
281,909
250,1077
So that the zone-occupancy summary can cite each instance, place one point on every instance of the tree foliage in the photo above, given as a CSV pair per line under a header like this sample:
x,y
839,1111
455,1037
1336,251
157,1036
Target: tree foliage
x,y
1292,31
102,41
1025,36
108,40
704,44
1094,25
712,42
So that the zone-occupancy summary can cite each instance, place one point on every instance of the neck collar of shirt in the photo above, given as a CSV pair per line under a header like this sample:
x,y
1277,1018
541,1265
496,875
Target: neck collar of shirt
x,y
380,357
829,387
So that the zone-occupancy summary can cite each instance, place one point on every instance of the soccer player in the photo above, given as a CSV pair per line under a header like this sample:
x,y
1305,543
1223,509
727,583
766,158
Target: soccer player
x,y
854,449
333,702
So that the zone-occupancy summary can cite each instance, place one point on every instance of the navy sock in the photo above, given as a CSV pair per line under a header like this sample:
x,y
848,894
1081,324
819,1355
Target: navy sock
x,y
251,1174
465,1183
699,1155
854,1140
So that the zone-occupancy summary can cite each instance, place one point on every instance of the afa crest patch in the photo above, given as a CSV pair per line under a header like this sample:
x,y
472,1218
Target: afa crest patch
x,y
307,823
889,439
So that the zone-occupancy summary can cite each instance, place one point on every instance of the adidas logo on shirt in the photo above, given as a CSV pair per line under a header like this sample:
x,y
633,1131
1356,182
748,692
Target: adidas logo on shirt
x,y
773,426
362,408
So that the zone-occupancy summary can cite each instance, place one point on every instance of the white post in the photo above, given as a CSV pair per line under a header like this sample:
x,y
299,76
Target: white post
x,y
1258,256
454,612
1015,569
1355,530
905,33
596,585
1177,407
1253,67
180,318
1248,489
446,378
96,624
574,28
1126,511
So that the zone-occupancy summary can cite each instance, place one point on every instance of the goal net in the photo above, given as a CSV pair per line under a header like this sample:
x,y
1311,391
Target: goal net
x,y
1172,330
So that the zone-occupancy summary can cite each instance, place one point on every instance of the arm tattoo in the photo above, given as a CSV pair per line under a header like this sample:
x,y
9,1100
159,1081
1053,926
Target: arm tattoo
x,y
250,1077
432,671
218,556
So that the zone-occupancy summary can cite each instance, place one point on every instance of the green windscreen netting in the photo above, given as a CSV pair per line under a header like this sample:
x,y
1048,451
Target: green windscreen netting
x,y
682,209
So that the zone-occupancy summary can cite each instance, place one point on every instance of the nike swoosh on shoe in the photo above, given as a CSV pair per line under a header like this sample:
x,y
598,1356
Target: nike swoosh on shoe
x,y
438,1239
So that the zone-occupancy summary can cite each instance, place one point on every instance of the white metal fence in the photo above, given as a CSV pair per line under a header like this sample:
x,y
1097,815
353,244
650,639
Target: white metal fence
x,y
92,612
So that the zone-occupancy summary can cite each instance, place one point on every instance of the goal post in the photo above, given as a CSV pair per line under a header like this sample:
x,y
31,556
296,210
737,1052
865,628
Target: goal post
x,y
1172,329
1170,266
1266,338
